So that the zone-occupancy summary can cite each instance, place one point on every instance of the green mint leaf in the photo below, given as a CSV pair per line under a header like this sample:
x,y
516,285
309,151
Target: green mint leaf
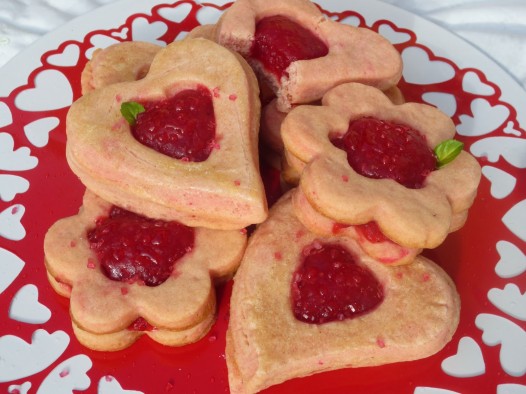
x,y
130,110
447,151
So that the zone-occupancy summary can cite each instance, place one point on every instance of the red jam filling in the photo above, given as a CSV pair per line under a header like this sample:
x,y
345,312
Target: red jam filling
x,y
131,248
330,285
379,149
140,324
372,232
182,126
278,41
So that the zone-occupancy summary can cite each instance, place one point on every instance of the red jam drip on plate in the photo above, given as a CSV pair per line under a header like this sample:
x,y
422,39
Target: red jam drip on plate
x,y
131,248
279,41
372,232
330,285
140,324
182,126
379,149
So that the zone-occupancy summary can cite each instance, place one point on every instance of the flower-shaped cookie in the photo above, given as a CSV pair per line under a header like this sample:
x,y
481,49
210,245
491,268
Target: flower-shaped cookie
x,y
125,61
301,53
114,301
413,216
224,189
266,341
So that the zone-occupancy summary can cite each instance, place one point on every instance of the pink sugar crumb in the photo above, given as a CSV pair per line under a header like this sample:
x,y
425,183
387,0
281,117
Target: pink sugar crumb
x,y
380,342
278,255
299,234
14,391
399,275
232,97
124,290
108,378
118,98
320,362
170,385
243,231
345,178
237,182
91,263
426,277
119,124
73,243
212,338
15,209
64,373
215,92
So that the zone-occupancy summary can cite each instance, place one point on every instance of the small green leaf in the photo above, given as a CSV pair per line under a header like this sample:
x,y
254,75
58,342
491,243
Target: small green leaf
x,y
447,151
130,110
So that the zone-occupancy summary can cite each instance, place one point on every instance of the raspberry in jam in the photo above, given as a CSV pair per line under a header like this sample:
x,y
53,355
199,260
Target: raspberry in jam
x,y
130,247
331,285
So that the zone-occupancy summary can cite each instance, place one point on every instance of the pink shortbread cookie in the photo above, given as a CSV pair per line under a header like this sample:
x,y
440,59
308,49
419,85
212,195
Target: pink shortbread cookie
x,y
354,54
412,218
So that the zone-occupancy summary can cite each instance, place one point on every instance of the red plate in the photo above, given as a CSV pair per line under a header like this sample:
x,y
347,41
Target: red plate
x,y
485,259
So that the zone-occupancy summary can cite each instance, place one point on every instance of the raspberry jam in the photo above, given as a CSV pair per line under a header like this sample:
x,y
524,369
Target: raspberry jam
x,y
379,149
130,247
182,126
371,232
278,41
330,285
140,324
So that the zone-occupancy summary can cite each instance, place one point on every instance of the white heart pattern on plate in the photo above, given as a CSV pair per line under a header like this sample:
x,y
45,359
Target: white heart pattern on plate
x,y
512,261
26,308
486,118
10,226
15,160
498,330
68,376
351,21
471,83
109,385
419,69
99,41
445,102
48,83
11,185
510,148
511,388
68,57
19,388
468,361
176,14
37,132
395,37
515,219
6,118
502,183
10,267
19,359
142,30
208,15
433,390
509,300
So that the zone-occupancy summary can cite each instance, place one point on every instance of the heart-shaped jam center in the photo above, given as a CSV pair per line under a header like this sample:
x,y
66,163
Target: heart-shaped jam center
x,y
330,285
182,126
130,247
279,41
379,149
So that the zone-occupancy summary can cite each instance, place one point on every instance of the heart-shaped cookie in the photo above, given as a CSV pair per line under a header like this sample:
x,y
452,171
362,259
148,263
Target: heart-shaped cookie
x,y
267,344
222,192
301,53
110,310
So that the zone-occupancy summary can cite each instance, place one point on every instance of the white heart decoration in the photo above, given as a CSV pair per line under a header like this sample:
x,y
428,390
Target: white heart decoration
x,y
512,261
25,307
68,376
176,14
142,30
471,83
11,185
515,220
445,102
420,70
511,338
19,389
509,300
123,33
10,226
208,15
6,118
19,359
510,129
511,388
468,361
109,385
395,37
10,267
351,20
510,148
69,56
52,91
99,41
433,390
502,183
15,160
37,132
486,118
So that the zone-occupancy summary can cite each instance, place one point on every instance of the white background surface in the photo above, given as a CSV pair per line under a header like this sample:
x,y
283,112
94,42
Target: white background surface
x,y
497,27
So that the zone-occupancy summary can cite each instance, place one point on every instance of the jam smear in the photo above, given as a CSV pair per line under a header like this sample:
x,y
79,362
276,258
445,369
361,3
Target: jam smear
x,y
279,41
140,324
379,149
372,232
331,285
131,247
182,126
